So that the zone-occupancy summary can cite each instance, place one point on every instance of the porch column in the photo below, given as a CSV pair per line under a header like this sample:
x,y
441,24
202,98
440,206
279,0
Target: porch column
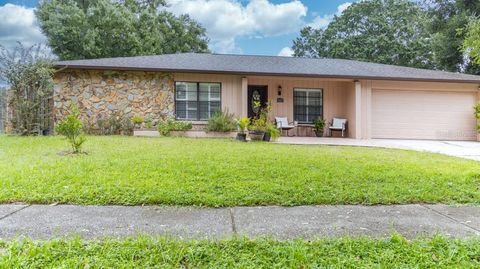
x,y
358,110
244,96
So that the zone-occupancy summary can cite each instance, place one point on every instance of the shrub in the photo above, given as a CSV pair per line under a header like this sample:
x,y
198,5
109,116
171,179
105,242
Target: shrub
x,y
137,120
166,126
111,125
71,128
148,123
477,113
126,127
221,121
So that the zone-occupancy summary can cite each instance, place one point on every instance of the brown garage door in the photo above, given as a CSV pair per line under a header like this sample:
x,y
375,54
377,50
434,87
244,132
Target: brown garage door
x,y
423,115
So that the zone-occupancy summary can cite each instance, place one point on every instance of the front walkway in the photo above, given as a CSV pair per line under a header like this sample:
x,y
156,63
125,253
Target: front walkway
x,y
462,149
47,222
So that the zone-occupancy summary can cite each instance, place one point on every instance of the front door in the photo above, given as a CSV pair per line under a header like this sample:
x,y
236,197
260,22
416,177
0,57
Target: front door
x,y
256,94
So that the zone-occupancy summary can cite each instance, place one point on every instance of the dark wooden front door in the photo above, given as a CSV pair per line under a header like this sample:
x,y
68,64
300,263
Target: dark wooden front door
x,y
256,94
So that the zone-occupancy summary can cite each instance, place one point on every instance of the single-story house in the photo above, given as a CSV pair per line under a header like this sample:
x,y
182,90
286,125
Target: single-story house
x,y
378,100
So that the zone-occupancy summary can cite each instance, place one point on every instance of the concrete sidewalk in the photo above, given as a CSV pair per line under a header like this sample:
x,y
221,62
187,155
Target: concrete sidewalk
x,y
45,222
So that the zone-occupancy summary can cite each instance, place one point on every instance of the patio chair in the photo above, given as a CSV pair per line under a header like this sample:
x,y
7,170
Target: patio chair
x,y
338,125
282,124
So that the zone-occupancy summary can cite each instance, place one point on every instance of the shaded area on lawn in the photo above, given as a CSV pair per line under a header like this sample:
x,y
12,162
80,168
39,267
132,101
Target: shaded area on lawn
x,y
209,172
143,252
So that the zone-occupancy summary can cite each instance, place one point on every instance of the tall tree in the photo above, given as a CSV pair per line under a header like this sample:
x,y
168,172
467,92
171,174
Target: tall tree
x,y
382,31
471,44
448,16
86,29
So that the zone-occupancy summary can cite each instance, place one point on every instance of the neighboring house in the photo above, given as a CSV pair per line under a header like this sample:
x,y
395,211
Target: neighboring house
x,y
379,101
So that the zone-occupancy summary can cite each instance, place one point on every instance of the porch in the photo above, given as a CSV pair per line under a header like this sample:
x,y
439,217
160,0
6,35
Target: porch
x,y
302,100
339,98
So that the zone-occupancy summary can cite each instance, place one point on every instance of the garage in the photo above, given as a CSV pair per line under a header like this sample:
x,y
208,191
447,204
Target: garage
x,y
411,114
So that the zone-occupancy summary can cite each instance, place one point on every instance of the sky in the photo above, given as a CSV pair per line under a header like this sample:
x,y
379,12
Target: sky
x,y
256,27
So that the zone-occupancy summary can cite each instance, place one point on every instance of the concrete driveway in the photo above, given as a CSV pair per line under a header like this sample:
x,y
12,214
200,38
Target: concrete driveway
x,y
463,149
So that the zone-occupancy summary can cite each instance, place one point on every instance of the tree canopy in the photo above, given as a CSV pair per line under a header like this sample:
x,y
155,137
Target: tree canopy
x,y
86,29
447,18
399,32
471,45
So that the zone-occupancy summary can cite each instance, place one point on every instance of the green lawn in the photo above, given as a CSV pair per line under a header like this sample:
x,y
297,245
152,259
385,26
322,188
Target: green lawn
x,y
145,252
207,172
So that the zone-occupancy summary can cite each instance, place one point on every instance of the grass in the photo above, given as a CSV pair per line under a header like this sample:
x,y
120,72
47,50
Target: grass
x,y
208,172
146,252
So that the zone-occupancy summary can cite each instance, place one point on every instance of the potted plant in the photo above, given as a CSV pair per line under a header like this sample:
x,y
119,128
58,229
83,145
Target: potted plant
x,y
137,121
319,125
259,123
272,133
242,127
257,129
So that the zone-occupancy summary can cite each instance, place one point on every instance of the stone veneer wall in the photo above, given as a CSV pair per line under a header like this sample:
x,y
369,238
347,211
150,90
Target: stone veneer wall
x,y
100,94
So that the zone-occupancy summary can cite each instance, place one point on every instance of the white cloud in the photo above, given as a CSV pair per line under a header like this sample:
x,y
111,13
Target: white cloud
x,y
341,8
19,23
323,21
287,51
225,20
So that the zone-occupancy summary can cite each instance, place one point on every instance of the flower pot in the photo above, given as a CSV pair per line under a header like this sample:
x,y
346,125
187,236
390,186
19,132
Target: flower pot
x,y
257,135
319,133
242,137
267,137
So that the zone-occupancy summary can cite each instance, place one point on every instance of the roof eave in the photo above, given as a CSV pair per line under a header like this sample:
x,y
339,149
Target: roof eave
x,y
119,68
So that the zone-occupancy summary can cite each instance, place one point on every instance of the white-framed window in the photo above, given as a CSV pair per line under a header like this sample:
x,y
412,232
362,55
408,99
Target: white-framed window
x,y
307,104
197,100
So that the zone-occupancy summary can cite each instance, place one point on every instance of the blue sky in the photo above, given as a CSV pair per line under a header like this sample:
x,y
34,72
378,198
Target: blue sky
x,y
265,27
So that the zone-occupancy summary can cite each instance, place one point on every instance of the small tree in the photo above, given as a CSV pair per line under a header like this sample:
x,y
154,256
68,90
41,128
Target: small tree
x,y
72,128
28,72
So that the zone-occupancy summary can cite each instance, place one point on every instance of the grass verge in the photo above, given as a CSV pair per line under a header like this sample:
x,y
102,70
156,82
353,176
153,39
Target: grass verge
x,y
146,252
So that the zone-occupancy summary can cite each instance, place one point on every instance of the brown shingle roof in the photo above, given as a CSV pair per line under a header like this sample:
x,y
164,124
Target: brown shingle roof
x,y
268,65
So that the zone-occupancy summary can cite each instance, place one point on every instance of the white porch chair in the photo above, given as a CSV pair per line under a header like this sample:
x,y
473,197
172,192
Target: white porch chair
x,y
338,125
283,124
